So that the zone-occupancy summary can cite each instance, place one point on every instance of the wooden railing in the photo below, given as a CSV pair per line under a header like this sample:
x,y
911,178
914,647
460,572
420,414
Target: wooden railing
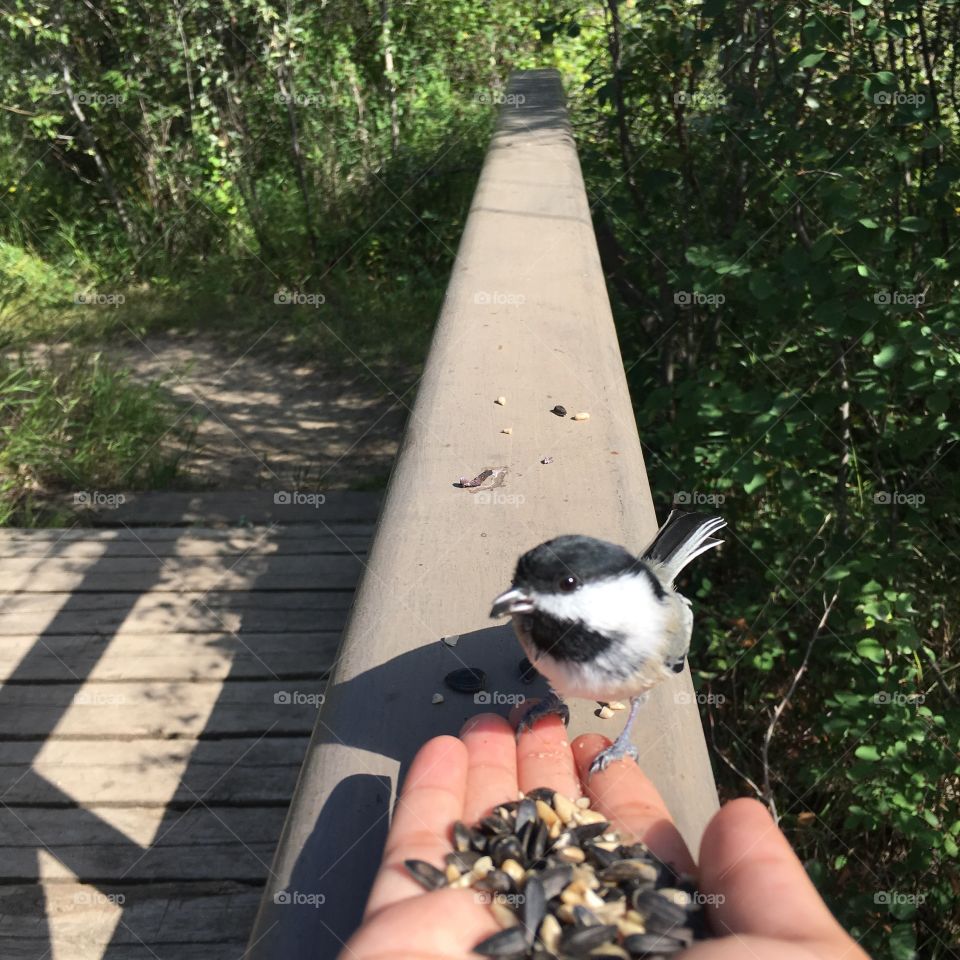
x,y
526,318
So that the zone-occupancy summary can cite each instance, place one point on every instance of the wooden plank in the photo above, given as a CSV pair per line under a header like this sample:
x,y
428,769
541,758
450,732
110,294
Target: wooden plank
x,y
526,316
185,546
140,574
159,612
163,710
242,770
173,656
82,919
273,531
205,843
171,508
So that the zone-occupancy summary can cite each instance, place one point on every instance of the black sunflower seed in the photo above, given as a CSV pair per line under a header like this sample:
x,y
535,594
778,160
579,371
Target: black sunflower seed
x,y
534,907
659,914
478,840
506,943
651,944
555,879
496,881
559,410
537,842
426,874
466,680
542,793
599,857
585,917
507,848
628,870
526,813
580,941
588,831
495,825
527,671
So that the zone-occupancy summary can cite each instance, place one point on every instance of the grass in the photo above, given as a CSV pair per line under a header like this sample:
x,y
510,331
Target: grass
x,y
76,424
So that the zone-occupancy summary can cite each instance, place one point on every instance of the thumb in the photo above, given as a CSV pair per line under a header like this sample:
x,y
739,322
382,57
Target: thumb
x,y
759,885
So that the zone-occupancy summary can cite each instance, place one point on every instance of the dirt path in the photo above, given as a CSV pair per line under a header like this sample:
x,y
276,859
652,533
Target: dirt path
x,y
267,422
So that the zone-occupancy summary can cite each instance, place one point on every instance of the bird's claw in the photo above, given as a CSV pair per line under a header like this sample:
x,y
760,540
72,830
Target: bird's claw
x,y
544,708
618,750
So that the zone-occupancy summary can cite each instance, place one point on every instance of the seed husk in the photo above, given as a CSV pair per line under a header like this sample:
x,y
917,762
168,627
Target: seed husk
x,y
580,941
507,848
426,874
559,410
466,680
511,942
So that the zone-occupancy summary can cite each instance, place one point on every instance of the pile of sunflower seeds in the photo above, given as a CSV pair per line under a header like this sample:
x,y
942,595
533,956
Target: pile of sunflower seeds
x,y
563,885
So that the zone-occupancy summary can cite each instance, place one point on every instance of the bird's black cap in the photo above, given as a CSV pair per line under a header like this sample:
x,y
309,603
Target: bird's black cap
x,y
585,558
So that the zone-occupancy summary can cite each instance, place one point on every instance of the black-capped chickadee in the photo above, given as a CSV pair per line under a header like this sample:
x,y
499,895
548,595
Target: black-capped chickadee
x,y
601,624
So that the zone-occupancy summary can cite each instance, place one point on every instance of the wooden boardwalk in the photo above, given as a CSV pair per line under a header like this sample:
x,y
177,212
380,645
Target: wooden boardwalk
x,y
160,684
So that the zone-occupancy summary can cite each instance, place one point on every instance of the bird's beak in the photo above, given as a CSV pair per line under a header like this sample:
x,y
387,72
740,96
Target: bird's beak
x,y
511,601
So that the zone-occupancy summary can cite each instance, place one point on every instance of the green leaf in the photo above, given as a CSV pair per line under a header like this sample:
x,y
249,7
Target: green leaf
x,y
915,224
867,752
885,357
812,59
869,223
755,483
869,649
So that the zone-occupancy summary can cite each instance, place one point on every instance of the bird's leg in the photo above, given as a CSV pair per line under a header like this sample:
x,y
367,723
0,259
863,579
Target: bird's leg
x,y
622,747
543,708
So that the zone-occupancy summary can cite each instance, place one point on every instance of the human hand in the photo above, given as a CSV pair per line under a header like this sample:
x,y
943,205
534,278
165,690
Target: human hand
x,y
761,902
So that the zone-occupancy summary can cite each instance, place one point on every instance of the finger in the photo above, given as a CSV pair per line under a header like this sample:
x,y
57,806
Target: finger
x,y
431,799
544,758
491,764
625,794
759,885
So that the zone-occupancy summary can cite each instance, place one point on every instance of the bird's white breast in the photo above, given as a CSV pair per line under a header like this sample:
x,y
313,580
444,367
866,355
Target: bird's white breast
x,y
625,609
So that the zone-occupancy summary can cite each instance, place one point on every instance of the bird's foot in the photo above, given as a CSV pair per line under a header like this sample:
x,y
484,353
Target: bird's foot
x,y
543,708
620,749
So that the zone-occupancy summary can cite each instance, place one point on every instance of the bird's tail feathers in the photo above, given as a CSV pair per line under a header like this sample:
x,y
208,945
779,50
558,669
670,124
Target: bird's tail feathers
x,y
682,538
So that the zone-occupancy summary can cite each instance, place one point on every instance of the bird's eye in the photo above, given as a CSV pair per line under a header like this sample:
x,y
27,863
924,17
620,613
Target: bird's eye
x,y
568,584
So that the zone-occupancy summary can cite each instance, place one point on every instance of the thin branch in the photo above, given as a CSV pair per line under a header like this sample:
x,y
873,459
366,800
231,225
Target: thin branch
x,y
782,706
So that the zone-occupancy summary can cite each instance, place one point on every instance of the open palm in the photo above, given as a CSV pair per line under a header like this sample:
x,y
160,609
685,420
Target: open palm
x,y
764,900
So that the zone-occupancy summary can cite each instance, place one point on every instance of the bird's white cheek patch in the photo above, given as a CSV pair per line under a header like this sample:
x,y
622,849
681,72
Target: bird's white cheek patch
x,y
612,606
